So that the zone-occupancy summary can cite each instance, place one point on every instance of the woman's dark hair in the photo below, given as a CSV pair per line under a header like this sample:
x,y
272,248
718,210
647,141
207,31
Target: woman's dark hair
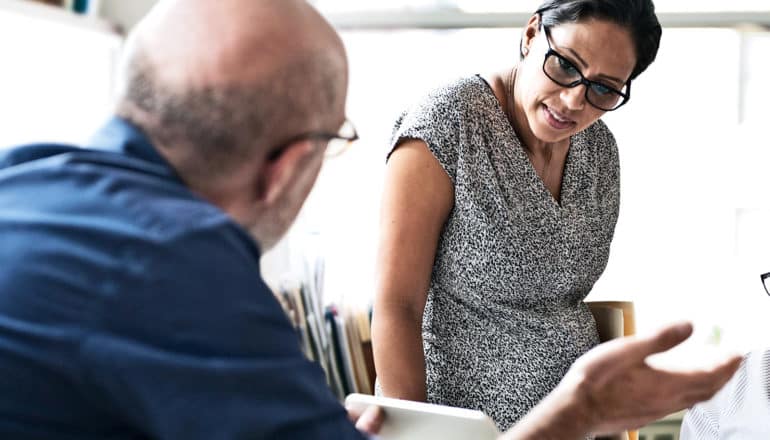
x,y
638,16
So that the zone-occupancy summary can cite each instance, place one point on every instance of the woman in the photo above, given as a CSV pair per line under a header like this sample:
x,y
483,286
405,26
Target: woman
x,y
501,199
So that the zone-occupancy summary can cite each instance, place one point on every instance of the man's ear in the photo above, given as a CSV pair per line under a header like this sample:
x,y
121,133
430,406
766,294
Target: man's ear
x,y
278,172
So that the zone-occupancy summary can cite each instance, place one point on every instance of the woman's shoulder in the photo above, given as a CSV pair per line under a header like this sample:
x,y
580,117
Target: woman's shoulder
x,y
460,97
446,110
598,133
443,117
599,150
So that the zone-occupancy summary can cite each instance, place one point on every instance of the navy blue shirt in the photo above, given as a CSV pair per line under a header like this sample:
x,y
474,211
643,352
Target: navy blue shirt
x,y
132,308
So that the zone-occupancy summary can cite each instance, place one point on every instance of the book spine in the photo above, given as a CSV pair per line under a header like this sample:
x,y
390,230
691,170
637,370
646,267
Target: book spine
x,y
80,6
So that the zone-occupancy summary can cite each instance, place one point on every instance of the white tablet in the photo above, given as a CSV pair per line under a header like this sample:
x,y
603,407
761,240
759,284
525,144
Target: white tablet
x,y
407,420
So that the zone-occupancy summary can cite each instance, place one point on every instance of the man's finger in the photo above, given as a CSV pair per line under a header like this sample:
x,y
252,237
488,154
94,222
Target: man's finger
x,y
371,420
621,353
353,414
706,384
662,340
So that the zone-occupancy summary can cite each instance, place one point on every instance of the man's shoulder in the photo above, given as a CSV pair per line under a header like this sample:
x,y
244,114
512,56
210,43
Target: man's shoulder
x,y
124,209
54,180
32,152
736,405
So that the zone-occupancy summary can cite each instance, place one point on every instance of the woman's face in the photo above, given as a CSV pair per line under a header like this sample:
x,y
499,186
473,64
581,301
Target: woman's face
x,y
601,50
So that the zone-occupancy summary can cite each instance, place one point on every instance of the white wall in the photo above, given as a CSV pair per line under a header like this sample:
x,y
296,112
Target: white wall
x,y
125,13
57,77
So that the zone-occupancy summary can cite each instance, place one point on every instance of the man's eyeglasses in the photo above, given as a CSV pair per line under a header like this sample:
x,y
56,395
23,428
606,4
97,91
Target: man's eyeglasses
x,y
765,277
564,73
336,143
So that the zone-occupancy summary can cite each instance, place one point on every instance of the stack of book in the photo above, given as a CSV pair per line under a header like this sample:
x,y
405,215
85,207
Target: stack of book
x,y
335,336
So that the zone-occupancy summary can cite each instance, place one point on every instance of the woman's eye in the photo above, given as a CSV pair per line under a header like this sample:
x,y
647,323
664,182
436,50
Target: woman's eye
x,y
567,67
601,89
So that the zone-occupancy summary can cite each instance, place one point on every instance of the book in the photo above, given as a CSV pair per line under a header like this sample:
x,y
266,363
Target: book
x,y
407,420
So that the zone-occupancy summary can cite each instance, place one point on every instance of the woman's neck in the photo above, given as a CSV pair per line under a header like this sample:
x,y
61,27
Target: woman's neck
x,y
517,116
503,84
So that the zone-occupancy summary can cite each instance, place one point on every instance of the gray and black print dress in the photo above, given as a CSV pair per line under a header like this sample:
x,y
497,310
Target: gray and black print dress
x,y
504,319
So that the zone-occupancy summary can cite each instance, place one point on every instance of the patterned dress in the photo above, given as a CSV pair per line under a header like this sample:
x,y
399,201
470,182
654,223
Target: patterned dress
x,y
504,317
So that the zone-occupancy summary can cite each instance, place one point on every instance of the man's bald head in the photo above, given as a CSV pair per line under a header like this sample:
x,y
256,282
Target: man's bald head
x,y
216,82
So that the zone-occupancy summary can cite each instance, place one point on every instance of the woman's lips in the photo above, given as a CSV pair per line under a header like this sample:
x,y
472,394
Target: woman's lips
x,y
556,119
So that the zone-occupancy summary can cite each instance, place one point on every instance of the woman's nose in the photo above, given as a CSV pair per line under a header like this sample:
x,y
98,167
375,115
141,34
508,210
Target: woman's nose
x,y
574,97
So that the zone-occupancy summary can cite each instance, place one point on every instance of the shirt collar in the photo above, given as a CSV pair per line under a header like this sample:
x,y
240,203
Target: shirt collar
x,y
121,136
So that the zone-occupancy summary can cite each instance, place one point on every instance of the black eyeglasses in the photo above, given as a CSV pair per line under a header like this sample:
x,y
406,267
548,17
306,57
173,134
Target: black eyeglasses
x,y
336,143
564,73
765,277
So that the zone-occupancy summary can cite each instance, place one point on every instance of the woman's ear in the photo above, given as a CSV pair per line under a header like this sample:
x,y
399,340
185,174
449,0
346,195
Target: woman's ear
x,y
529,34
278,172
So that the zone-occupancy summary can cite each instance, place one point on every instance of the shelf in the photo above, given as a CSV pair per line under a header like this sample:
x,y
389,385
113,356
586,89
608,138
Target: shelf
x,y
455,19
57,15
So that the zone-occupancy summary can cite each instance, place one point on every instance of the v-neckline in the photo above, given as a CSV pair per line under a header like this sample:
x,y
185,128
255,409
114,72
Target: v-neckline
x,y
559,204
522,155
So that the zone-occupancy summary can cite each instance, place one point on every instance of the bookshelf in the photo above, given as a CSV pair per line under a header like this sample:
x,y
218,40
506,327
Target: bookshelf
x,y
118,16
54,12
336,336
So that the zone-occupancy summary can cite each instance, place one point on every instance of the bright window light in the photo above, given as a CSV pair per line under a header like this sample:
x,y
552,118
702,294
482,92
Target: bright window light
x,y
57,78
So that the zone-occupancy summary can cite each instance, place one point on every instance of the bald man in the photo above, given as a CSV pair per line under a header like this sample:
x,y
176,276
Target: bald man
x,y
131,303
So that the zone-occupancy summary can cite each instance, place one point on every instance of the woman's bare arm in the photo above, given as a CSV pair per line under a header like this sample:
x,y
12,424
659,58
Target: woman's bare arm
x,y
417,199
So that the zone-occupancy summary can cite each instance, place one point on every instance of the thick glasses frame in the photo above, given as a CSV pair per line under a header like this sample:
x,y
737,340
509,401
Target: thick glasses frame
x,y
587,82
337,143
765,277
